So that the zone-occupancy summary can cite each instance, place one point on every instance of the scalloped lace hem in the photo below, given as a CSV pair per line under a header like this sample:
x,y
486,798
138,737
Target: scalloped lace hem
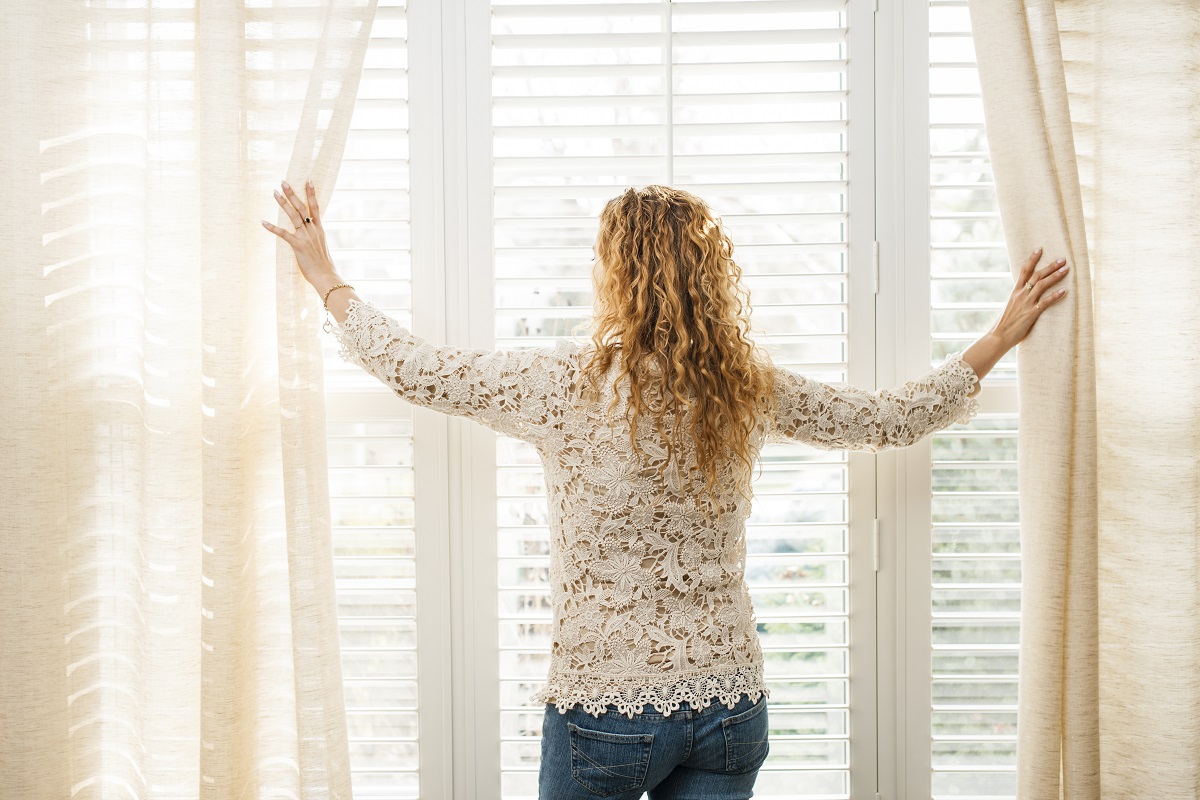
x,y
966,373
666,693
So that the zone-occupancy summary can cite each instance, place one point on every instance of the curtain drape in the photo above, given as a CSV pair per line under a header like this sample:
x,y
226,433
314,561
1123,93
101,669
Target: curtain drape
x,y
1093,118
167,619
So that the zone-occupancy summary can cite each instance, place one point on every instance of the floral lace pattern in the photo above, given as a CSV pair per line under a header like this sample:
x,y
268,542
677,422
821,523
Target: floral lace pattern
x,y
647,582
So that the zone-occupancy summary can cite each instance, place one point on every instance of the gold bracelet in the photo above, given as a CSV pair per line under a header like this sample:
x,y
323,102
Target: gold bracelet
x,y
327,327
325,300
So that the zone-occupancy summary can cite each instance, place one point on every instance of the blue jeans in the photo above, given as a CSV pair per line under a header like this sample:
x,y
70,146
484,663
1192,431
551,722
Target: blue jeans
x,y
711,754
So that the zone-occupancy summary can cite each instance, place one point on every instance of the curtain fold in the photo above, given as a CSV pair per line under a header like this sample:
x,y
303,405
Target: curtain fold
x,y
167,617
1093,117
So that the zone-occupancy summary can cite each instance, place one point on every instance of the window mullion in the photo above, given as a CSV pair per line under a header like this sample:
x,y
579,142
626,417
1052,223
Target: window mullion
x,y
467,138
861,353
436,620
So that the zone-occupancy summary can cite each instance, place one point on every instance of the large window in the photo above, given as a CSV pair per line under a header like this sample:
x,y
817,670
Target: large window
x,y
525,119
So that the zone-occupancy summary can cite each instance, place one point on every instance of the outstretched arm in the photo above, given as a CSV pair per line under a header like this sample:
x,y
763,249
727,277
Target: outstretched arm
x,y
847,418
519,393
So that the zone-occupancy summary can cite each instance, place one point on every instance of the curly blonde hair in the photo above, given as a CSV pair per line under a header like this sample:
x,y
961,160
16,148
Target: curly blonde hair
x,y
669,296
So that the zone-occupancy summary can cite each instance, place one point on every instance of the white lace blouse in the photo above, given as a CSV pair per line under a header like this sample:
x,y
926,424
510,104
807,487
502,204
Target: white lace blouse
x,y
650,603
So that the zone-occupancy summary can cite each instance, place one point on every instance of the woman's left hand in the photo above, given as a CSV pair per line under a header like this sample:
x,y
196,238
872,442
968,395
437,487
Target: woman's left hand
x,y
308,240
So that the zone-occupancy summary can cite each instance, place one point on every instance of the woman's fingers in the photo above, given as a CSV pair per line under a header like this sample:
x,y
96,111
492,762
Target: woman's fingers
x,y
313,210
291,211
1050,299
1050,270
1050,275
1027,267
281,233
295,200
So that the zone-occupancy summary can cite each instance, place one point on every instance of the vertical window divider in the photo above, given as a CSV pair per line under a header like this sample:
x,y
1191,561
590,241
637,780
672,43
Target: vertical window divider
x,y
914,506
435,611
903,337
861,343
477,300
467,137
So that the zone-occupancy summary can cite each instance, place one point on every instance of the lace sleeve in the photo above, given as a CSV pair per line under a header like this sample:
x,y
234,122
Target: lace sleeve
x,y
513,392
834,418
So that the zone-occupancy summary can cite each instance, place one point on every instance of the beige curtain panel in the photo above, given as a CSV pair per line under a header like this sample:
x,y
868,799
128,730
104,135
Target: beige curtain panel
x,y
167,621
1093,118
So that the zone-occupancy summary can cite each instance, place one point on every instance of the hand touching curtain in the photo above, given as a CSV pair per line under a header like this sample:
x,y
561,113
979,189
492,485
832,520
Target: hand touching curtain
x,y
167,626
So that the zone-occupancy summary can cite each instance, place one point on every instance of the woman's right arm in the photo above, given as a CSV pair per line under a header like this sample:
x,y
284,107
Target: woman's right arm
x,y
833,417
847,418
1024,307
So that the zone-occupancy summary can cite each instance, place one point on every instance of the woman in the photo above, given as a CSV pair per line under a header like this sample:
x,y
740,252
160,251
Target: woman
x,y
648,437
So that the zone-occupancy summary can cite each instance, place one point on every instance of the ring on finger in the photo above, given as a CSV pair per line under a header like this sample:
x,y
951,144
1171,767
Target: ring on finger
x,y
1038,305
1029,286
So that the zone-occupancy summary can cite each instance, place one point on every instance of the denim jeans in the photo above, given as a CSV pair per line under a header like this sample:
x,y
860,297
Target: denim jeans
x,y
711,754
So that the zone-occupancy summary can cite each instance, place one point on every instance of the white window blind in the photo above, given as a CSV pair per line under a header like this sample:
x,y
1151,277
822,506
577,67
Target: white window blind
x,y
371,432
976,570
591,98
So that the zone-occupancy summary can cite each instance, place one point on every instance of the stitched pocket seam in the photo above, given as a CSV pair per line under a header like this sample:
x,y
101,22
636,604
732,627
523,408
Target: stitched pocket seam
x,y
744,756
600,778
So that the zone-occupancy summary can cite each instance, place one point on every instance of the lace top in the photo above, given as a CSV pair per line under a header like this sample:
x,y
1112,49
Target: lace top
x,y
650,603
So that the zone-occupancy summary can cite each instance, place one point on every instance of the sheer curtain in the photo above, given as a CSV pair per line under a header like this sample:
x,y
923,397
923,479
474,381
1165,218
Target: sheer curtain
x,y
167,626
1093,116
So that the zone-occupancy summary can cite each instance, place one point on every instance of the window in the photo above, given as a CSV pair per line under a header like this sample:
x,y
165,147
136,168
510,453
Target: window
x,y
526,119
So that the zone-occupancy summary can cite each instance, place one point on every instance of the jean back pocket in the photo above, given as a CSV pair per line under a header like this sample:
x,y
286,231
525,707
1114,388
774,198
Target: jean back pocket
x,y
609,763
746,744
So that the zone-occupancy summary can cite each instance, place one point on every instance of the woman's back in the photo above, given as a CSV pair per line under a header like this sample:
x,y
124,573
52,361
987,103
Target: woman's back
x,y
647,583
646,573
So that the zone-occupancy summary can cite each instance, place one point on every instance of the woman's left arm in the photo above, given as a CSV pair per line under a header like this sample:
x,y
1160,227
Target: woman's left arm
x,y
519,393
845,417
515,392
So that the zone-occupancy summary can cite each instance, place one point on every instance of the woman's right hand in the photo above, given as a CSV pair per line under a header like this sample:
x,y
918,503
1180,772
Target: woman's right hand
x,y
1025,305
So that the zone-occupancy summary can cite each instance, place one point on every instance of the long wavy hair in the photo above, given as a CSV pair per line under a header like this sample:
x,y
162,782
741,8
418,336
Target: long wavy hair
x,y
669,299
